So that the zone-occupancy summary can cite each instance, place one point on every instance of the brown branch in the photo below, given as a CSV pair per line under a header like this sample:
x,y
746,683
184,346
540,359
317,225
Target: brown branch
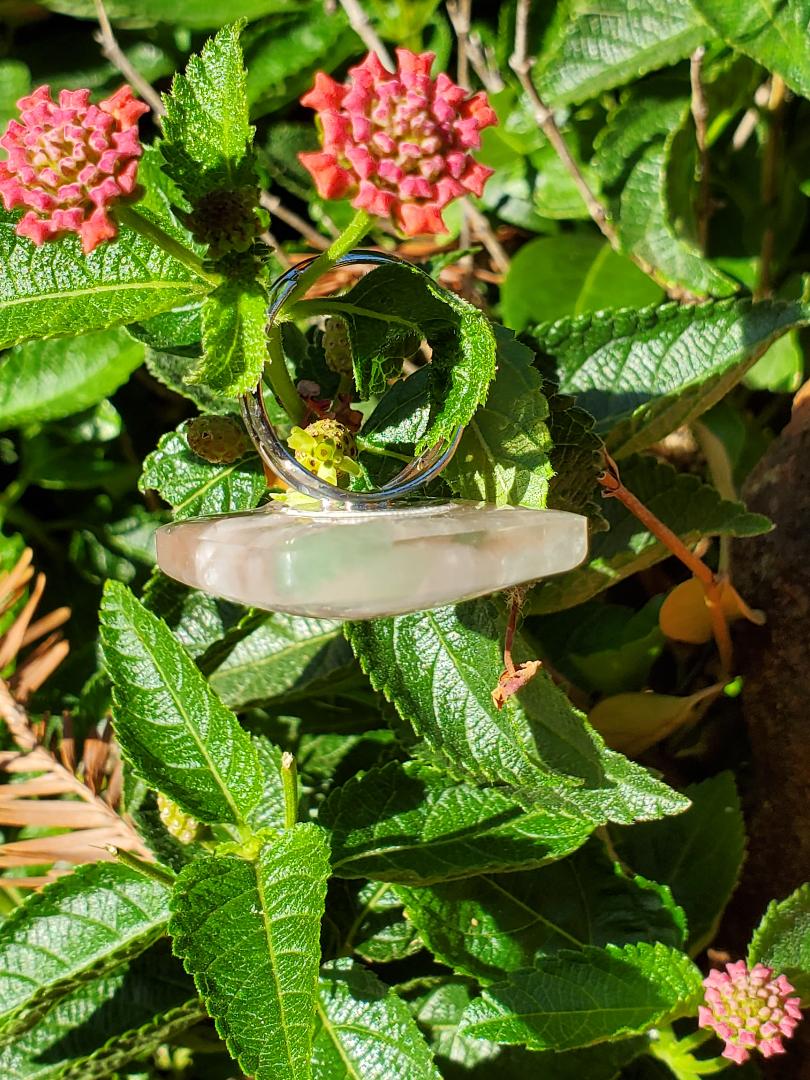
x,y
489,76
770,185
521,63
613,488
295,221
360,23
700,114
111,50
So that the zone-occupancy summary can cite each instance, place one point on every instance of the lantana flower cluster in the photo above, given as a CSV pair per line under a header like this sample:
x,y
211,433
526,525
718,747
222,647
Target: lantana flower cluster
x,y
69,162
398,143
749,1010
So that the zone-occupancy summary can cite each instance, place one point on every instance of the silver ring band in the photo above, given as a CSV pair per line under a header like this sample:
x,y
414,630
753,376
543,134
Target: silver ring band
x,y
277,456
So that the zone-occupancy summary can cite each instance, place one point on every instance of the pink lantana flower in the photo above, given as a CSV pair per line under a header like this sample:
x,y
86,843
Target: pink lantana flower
x,y
749,1010
398,143
69,162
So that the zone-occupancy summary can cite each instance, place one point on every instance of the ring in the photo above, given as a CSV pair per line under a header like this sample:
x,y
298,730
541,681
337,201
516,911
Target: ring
x,y
275,454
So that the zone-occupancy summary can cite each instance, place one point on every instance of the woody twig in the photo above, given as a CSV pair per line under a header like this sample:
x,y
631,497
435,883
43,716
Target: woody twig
x,y
612,488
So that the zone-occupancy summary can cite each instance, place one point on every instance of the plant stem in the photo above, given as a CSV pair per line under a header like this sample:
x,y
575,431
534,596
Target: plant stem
x,y
613,488
150,870
289,780
112,51
700,113
521,63
279,377
351,235
130,217
361,24
770,185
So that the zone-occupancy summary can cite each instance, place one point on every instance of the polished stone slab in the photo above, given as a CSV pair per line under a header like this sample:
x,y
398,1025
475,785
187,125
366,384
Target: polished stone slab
x,y
349,564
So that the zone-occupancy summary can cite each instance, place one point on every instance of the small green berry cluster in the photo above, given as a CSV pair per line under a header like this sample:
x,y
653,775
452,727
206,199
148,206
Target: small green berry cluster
x,y
218,439
228,221
327,448
177,822
337,346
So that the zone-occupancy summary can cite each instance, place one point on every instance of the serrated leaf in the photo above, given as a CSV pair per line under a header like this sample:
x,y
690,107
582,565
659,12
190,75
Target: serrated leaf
x,y
207,136
578,999
411,824
644,373
233,336
497,923
439,669
775,35
256,965
81,926
689,507
56,289
632,158
570,274
782,939
576,458
364,1031
286,656
106,1022
399,303
594,47
197,487
707,843
172,370
171,727
503,456
49,380
440,1010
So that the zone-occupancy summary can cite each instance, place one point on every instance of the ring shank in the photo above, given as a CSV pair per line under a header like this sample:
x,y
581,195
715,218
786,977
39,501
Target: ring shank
x,y
277,456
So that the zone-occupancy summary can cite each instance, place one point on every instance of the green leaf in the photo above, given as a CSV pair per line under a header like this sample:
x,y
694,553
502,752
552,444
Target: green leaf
x,y
410,823
52,379
106,1022
172,370
602,647
286,656
707,843
577,999
439,669
383,933
486,926
283,56
570,274
170,725
233,335
256,964
689,507
632,157
594,47
269,812
197,487
364,1031
55,289
207,136
400,303
503,456
644,373
15,82
780,369
196,14
782,940
775,35
576,457
80,927
440,1010
196,619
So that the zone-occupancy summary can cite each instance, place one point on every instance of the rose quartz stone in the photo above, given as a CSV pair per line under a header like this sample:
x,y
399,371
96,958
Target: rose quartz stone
x,y
349,564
